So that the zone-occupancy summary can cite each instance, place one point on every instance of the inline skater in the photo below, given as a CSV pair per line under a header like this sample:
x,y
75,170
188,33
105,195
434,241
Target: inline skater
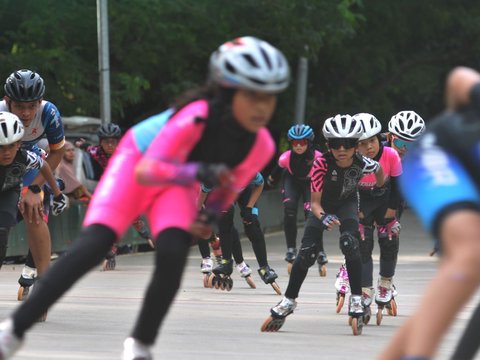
x,y
215,135
335,176
295,165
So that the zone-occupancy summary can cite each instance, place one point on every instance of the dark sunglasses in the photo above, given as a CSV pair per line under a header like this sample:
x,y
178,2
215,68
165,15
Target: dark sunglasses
x,y
338,143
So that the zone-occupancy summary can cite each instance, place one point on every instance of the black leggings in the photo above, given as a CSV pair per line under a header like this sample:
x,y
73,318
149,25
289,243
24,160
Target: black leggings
x,y
293,190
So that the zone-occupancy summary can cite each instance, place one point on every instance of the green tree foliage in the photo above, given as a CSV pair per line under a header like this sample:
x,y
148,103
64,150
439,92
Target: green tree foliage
x,y
364,55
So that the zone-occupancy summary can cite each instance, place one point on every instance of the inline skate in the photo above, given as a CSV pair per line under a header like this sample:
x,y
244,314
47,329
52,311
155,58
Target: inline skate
x,y
246,272
110,262
385,298
278,315
342,286
355,314
220,277
26,280
216,249
206,267
367,298
268,276
290,257
322,262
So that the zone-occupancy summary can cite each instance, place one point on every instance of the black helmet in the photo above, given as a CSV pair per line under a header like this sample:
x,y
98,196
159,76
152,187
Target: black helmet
x,y
109,131
24,86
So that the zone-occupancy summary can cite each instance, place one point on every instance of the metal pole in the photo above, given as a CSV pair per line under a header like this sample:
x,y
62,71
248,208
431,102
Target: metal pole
x,y
103,61
301,96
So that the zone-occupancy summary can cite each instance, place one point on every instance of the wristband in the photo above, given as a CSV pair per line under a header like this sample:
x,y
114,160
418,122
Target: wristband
x,y
34,189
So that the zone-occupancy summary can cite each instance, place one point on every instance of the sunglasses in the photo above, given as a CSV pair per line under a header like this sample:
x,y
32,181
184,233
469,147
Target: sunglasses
x,y
399,143
302,142
345,143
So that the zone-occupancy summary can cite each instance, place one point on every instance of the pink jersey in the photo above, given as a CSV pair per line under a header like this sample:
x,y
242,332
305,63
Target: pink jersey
x,y
119,198
284,160
391,165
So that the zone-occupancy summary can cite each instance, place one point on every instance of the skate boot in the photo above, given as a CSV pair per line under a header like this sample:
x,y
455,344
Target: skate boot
x,y
9,342
135,350
322,262
26,280
268,276
278,315
367,298
290,257
110,261
385,298
246,272
206,267
216,249
342,286
355,314
220,277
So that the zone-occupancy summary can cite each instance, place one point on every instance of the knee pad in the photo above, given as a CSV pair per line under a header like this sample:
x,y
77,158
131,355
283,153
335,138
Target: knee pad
x,y
253,231
389,248
349,245
307,256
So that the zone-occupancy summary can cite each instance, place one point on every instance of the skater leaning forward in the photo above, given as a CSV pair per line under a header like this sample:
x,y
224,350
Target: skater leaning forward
x,y
335,176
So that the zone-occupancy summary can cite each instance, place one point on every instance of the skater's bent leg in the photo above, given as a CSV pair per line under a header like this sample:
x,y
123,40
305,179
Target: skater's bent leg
x,y
226,230
170,256
3,243
39,242
237,251
388,255
256,237
366,249
85,253
350,247
204,248
458,272
290,223
305,259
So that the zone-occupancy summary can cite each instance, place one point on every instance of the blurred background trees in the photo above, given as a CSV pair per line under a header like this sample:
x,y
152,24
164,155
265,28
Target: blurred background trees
x,y
364,55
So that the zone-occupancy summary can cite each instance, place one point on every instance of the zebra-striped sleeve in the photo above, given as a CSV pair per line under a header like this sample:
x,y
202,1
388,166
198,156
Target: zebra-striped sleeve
x,y
319,169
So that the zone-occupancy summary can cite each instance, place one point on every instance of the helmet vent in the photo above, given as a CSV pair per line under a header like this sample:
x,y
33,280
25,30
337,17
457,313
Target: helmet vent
x,y
4,129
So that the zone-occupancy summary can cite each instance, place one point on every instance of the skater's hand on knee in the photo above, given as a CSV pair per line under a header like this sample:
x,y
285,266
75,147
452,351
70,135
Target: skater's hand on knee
x,y
31,207
329,221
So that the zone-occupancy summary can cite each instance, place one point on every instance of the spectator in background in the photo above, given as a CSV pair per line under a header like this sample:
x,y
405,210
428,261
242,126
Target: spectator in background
x,y
66,171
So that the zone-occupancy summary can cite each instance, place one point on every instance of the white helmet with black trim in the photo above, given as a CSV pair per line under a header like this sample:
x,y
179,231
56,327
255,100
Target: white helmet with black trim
x,y
371,125
342,126
407,125
250,63
11,128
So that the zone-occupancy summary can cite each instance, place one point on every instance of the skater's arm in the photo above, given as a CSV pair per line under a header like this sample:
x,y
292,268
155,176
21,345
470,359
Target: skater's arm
x,y
317,209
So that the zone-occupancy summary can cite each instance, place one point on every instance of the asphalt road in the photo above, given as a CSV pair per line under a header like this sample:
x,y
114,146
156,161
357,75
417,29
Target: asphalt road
x,y
92,320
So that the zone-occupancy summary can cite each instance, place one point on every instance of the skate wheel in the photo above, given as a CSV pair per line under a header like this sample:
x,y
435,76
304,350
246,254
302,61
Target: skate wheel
x,y
228,285
276,288
289,268
212,281
250,282
272,324
367,315
340,302
22,293
323,270
357,326
205,280
392,308
379,315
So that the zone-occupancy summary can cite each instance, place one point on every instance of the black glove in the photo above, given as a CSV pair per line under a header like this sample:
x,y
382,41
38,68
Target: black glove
x,y
212,175
328,219
247,215
59,204
377,192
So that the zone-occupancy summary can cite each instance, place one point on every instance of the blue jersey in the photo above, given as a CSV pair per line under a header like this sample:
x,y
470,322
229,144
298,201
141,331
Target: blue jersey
x,y
442,172
145,131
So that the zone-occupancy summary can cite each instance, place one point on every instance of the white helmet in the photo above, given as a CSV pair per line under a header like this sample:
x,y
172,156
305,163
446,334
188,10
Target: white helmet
x,y
342,126
11,128
371,125
250,63
407,124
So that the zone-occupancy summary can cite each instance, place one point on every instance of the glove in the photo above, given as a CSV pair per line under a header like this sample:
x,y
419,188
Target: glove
x,y
59,204
202,226
392,227
212,175
247,215
328,219
377,191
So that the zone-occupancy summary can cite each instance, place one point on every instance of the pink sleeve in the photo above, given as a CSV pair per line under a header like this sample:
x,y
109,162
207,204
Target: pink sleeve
x,y
261,153
284,159
396,163
171,147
